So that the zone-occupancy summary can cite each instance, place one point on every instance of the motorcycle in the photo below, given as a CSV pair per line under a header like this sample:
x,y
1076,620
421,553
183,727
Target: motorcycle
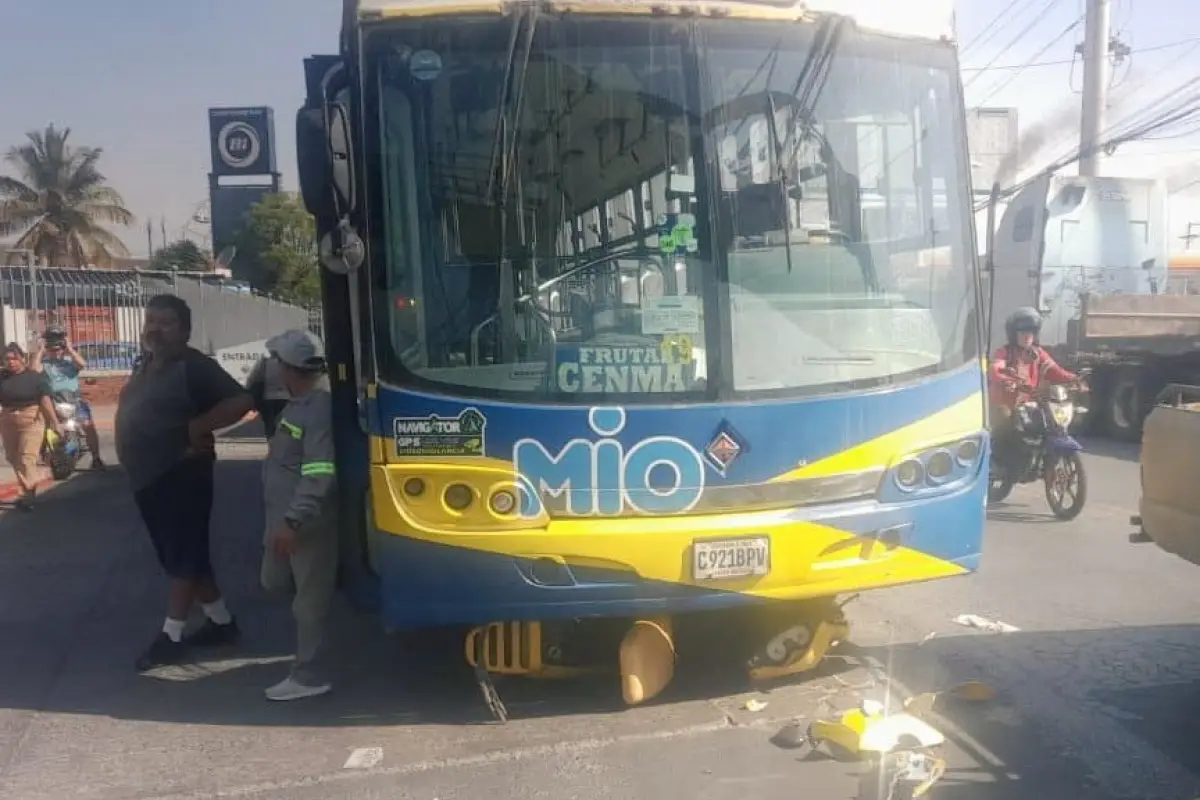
x,y
62,454
1047,450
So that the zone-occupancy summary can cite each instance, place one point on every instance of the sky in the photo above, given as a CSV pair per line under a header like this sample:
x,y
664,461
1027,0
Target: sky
x,y
136,77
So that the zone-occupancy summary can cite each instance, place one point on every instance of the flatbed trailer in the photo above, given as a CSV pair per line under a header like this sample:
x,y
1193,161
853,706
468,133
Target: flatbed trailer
x,y
1135,345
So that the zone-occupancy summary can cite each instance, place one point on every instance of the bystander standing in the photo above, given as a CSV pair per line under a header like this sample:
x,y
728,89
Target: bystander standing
x,y
167,415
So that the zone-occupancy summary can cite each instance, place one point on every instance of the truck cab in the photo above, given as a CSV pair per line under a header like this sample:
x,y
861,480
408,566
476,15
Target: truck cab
x,y
1092,254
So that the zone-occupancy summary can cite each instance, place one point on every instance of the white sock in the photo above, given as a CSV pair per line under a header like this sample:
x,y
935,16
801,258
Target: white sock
x,y
217,612
173,628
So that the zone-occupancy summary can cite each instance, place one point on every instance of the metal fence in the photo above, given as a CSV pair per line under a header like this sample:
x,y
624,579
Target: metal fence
x,y
102,311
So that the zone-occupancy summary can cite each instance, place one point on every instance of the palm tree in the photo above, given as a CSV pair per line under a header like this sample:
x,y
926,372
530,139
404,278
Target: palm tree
x,y
60,202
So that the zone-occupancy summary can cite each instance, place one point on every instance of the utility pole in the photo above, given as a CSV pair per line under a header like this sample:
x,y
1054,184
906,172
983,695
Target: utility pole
x,y
1095,85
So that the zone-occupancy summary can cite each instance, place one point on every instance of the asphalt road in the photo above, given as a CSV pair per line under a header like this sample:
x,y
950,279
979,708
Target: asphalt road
x,y
1098,690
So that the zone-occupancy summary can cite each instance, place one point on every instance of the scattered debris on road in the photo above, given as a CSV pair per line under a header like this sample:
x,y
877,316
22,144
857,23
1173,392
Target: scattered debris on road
x,y
985,624
364,758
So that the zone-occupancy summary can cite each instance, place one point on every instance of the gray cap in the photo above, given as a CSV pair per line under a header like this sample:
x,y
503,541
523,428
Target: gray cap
x,y
298,348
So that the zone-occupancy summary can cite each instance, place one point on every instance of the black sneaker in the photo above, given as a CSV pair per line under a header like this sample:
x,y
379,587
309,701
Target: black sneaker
x,y
210,634
162,651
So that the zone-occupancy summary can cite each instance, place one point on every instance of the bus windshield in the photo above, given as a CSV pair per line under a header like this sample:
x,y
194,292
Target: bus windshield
x,y
583,211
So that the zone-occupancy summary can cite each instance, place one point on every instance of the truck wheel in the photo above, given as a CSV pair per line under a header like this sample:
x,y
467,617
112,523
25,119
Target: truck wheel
x,y
1124,406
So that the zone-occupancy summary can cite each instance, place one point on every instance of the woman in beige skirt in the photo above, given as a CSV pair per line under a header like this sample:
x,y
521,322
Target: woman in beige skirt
x,y
26,410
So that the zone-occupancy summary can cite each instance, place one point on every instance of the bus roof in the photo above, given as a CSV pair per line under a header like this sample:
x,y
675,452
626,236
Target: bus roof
x,y
931,19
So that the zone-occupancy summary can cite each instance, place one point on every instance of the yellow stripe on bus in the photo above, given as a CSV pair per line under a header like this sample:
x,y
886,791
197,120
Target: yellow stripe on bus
x,y
809,558
964,418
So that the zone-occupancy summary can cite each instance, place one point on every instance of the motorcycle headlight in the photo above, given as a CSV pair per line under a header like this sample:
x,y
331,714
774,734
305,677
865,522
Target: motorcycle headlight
x,y
64,410
1062,412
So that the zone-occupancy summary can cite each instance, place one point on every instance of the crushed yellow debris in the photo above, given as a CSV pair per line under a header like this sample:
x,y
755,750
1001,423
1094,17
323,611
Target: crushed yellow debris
x,y
920,704
973,691
870,729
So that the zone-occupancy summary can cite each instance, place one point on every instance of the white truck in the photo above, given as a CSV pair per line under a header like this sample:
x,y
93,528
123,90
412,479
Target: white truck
x,y
1092,255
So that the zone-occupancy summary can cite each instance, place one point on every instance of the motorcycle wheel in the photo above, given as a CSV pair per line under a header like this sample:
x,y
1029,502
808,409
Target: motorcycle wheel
x,y
999,489
1067,471
61,467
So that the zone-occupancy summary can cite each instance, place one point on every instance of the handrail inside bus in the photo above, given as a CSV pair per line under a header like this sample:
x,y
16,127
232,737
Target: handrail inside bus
x,y
539,313
529,298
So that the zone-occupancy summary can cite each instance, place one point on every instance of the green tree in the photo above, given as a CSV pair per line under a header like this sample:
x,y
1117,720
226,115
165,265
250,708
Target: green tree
x,y
278,246
59,203
183,255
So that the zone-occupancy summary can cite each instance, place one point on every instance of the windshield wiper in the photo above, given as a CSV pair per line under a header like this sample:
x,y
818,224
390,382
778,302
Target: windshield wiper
x,y
809,84
504,147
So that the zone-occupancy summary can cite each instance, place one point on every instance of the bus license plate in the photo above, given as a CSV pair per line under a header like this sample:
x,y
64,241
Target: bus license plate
x,y
716,559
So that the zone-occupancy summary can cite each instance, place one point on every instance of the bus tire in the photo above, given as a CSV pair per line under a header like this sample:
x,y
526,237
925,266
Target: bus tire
x,y
1124,403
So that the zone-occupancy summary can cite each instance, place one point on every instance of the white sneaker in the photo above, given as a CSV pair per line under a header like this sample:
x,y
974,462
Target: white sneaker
x,y
292,689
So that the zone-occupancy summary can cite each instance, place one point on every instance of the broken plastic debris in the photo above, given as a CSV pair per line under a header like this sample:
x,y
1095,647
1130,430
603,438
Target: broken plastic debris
x,y
984,624
754,704
791,736
973,691
920,704
869,730
872,708
927,637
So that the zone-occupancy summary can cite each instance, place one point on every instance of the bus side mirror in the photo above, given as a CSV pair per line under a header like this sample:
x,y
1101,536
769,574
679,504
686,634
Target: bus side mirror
x,y
326,166
313,162
341,151
325,154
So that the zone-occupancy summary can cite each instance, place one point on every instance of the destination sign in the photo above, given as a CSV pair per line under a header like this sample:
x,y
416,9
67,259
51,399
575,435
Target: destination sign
x,y
623,369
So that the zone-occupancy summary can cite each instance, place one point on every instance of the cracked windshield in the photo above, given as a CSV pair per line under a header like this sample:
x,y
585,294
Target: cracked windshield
x,y
599,398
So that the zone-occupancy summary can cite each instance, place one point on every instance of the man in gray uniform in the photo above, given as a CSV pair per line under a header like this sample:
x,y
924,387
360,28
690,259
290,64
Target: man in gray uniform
x,y
266,386
299,487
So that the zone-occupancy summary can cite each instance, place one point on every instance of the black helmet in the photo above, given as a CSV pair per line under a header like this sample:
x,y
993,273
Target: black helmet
x,y
1023,320
54,336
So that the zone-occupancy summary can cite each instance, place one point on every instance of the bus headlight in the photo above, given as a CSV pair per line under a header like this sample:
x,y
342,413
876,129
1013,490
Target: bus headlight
x,y
414,487
909,474
934,470
940,465
503,502
967,452
458,497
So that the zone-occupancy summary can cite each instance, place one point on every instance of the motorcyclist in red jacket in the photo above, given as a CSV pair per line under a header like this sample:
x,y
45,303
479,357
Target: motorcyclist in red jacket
x,y
1020,361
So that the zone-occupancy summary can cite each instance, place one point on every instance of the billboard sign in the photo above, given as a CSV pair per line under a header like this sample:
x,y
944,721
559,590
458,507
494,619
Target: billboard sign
x,y
242,141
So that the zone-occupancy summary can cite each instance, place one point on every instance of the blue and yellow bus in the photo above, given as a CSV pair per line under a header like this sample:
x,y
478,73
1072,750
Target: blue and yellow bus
x,y
647,317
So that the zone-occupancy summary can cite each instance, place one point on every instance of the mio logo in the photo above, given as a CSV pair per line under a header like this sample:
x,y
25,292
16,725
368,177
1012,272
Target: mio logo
x,y
589,477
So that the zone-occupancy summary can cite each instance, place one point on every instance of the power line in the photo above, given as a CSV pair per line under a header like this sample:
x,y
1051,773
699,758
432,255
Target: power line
x,y
1046,9
1005,84
987,33
1064,62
